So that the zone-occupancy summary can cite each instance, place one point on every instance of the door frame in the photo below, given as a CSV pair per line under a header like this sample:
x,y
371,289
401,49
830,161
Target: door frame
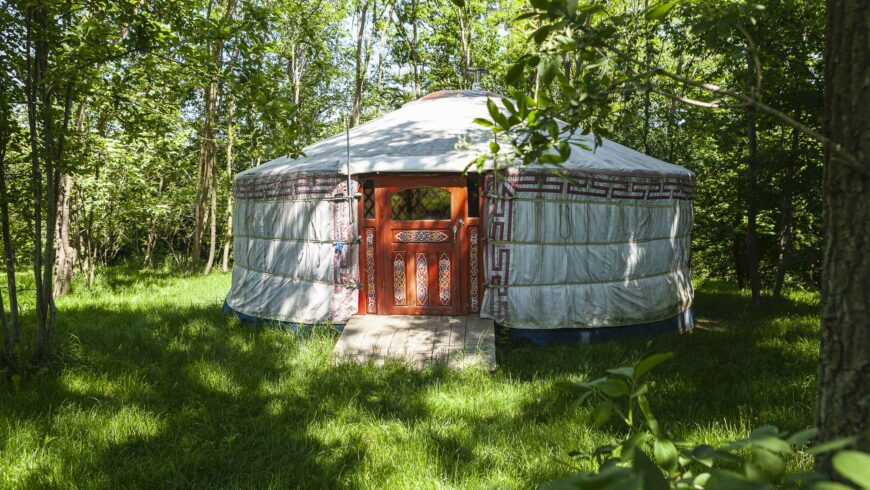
x,y
373,255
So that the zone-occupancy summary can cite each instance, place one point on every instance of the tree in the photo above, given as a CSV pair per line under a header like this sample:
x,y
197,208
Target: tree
x,y
844,366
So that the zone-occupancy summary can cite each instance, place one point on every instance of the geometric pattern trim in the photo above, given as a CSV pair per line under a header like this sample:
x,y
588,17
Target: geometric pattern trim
x,y
474,279
635,187
293,185
421,236
399,279
371,304
422,279
499,219
444,279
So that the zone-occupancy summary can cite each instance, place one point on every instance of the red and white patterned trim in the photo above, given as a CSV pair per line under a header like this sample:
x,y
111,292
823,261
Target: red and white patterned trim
x,y
421,236
474,279
444,279
399,279
371,298
422,279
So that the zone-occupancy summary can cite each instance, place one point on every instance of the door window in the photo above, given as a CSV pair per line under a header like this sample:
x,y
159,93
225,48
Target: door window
x,y
420,203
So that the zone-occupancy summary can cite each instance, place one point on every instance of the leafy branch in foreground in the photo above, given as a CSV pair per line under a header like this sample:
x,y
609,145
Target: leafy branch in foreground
x,y
592,36
649,459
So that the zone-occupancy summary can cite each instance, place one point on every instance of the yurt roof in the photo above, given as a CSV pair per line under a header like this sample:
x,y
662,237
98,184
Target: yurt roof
x,y
437,134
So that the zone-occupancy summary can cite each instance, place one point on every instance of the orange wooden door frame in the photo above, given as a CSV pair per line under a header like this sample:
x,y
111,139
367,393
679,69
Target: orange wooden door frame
x,y
467,253
420,261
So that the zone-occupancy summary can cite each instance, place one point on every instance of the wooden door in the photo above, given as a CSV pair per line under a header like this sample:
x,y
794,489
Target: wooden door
x,y
420,219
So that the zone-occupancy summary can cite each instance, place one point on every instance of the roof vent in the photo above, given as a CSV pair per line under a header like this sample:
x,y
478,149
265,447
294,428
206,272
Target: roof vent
x,y
477,71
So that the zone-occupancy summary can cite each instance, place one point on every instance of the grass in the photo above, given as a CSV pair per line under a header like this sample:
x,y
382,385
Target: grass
x,y
159,389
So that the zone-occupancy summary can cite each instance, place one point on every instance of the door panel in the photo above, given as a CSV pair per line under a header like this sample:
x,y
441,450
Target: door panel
x,y
421,221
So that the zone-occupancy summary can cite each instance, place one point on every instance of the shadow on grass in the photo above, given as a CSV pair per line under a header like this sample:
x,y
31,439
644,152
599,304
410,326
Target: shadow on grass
x,y
186,397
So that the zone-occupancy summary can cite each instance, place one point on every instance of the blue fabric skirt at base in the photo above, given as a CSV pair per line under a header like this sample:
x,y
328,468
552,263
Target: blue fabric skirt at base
x,y
300,328
680,323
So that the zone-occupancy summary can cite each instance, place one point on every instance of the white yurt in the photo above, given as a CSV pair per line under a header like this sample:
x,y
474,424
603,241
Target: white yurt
x,y
383,221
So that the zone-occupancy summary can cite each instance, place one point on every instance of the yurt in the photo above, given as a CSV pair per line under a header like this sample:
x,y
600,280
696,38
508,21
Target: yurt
x,y
382,221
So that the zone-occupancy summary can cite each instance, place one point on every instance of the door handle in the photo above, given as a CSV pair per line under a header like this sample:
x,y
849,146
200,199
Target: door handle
x,y
456,227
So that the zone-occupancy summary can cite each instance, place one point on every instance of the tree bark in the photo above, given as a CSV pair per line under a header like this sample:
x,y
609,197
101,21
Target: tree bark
x,y
359,75
228,240
751,199
8,248
65,258
843,402
786,216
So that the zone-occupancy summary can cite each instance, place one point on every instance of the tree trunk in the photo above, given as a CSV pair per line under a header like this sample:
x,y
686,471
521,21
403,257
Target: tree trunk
x,y
751,201
67,255
8,248
786,215
414,58
212,242
359,75
388,17
65,258
228,240
844,367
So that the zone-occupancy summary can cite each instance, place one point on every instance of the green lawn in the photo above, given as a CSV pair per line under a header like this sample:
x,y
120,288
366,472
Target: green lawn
x,y
160,389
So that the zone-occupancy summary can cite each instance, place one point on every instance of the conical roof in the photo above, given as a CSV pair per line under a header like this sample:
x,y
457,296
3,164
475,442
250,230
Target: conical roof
x,y
437,134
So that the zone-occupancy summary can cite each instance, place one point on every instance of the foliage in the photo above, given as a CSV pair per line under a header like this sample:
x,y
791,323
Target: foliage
x,y
649,459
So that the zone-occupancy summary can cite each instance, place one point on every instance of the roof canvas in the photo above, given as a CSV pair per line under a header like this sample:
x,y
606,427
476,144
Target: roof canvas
x,y
437,134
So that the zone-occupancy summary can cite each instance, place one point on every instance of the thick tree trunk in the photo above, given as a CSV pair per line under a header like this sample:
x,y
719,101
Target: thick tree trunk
x,y
751,198
844,368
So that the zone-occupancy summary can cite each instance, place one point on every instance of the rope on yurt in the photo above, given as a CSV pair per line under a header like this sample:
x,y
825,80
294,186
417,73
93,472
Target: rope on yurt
x,y
620,242
348,285
582,283
674,204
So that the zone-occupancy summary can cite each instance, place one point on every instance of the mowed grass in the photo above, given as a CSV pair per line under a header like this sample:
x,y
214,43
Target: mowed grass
x,y
159,389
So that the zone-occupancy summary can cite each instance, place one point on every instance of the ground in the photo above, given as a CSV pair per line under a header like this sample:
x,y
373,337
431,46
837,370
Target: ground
x,y
159,389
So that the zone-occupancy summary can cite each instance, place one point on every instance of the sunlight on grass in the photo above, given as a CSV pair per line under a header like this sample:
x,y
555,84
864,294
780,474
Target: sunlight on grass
x,y
162,389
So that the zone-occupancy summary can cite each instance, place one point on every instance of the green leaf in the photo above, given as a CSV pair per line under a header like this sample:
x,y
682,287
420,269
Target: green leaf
x,y
602,412
853,465
652,476
625,372
666,454
515,72
508,105
613,387
496,114
651,420
547,69
834,445
459,3
483,122
648,363
540,4
660,9
830,485
803,436
769,462
494,147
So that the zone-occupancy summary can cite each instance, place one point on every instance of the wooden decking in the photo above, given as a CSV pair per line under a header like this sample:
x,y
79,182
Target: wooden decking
x,y
419,341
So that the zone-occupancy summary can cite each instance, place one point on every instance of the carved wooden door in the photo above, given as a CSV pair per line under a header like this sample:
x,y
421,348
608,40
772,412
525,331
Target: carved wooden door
x,y
420,221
